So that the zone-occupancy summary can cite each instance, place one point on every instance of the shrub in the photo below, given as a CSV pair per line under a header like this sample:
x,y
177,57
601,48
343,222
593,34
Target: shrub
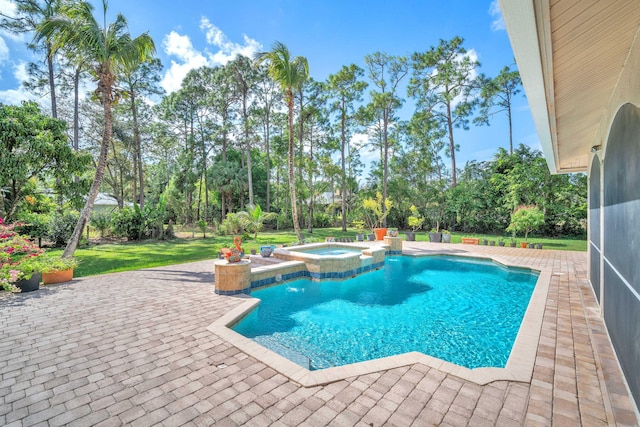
x,y
232,224
61,228
322,220
127,223
101,222
34,225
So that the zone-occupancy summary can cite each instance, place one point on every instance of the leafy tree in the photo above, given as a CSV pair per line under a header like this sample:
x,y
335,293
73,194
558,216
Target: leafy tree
x,y
30,15
244,83
289,73
345,89
33,146
386,72
104,49
497,96
526,219
139,79
268,98
443,85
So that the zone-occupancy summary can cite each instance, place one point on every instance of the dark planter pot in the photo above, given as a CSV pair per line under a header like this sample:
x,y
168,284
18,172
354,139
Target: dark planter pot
x,y
492,243
360,237
435,237
371,237
446,238
513,245
532,246
538,245
31,284
411,236
253,251
485,242
501,243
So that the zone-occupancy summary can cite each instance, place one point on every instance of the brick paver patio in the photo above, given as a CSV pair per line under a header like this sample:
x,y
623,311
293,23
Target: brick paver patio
x,y
133,349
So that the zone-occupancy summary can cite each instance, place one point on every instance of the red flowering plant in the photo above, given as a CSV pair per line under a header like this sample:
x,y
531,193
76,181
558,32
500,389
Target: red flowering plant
x,y
18,256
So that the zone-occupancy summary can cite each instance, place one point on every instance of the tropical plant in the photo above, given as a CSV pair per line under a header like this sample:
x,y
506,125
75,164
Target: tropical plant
x,y
255,218
526,219
375,211
415,220
103,50
290,74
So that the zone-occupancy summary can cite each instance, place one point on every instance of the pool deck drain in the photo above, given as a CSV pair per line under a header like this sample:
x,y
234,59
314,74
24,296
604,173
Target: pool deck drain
x,y
133,349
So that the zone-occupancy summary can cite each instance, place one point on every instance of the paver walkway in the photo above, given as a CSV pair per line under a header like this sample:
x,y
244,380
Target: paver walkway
x,y
133,349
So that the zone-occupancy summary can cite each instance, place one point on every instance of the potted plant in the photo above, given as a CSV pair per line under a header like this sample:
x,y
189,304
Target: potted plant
x,y
415,221
526,219
19,267
500,241
392,232
435,236
377,212
538,245
492,242
484,241
359,225
57,270
446,236
512,241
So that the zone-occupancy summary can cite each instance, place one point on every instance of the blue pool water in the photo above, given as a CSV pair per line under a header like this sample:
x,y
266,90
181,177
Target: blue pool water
x,y
331,251
462,311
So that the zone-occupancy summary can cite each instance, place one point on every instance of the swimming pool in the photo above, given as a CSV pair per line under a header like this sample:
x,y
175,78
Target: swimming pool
x,y
461,311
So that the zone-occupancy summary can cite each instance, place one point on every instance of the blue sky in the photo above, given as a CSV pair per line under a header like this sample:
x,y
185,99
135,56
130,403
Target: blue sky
x,y
330,33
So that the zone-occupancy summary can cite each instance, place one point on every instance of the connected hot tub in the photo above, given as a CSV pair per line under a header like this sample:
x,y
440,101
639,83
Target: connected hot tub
x,y
335,260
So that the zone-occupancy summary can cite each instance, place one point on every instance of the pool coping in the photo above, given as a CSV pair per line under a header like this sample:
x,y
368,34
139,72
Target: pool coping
x,y
519,365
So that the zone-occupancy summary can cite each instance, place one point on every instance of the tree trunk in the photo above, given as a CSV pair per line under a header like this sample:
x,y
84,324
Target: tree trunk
x,y
311,196
268,160
52,86
343,164
510,129
292,183
138,150
104,87
385,164
452,147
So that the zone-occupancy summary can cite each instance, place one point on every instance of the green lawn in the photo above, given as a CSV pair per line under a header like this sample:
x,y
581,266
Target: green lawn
x,y
101,259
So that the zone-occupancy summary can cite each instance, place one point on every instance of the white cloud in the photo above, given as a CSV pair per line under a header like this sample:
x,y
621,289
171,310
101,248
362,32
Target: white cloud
x,y
498,22
16,96
4,51
189,58
227,49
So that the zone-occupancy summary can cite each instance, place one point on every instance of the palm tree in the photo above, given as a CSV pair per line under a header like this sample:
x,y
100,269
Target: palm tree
x,y
255,218
290,74
103,50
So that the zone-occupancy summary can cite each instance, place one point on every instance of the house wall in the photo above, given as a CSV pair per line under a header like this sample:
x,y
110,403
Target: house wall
x,y
614,219
594,226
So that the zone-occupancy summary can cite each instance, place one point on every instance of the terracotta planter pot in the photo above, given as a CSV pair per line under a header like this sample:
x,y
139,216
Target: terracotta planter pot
x,y
57,277
523,244
470,241
380,233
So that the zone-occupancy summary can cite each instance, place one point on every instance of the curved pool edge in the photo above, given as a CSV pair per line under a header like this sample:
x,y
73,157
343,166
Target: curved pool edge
x,y
519,366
